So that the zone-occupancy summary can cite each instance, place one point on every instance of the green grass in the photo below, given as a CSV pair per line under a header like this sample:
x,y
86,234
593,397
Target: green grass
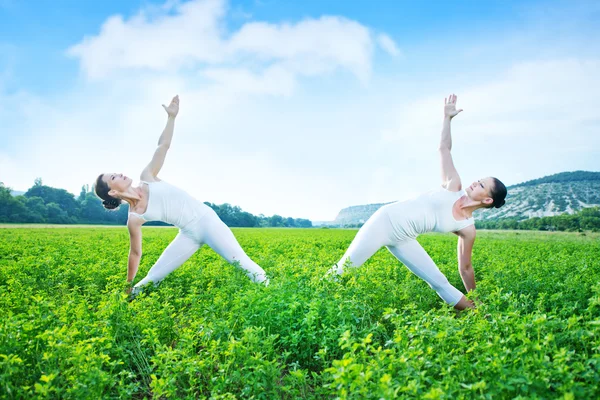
x,y
68,331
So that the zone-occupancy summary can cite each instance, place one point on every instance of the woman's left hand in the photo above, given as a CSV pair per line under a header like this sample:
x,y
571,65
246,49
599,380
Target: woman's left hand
x,y
450,110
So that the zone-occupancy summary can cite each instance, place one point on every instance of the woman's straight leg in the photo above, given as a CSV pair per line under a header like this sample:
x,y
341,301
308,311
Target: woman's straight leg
x,y
219,237
414,256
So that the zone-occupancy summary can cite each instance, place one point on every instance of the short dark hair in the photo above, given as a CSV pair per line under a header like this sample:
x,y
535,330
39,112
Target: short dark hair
x,y
101,188
498,193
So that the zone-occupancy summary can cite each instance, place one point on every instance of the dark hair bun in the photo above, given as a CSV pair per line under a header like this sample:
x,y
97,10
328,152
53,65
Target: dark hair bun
x,y
111,204
500,204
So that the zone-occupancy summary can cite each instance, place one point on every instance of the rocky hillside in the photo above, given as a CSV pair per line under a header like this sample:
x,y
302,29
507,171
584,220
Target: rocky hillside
x,y
356,214
566,192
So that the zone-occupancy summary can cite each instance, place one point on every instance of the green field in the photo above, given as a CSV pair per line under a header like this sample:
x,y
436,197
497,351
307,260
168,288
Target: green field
x,y
68,331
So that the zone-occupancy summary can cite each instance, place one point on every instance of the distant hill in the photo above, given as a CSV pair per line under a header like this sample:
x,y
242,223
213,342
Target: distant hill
x,y
16,193
563,193
562,177
356,214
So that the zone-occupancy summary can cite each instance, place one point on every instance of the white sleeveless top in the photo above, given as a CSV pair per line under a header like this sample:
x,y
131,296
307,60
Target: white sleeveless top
x,y
429,212
170,204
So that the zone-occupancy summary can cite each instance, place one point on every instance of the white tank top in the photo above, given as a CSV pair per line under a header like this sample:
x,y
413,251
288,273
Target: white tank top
x,y
429,212
170,204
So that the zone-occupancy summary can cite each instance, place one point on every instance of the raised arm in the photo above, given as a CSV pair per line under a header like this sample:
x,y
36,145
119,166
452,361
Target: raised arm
x,y
466,239
134,225
450,177
164,142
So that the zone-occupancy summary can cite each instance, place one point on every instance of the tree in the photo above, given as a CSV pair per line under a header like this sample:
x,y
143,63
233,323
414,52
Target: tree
x,y
34,210
276,220
91,210
10,207
303,223
84,190
65,200
57,215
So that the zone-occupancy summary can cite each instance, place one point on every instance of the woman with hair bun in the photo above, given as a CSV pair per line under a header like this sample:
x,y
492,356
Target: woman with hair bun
x,y
156,200
447,209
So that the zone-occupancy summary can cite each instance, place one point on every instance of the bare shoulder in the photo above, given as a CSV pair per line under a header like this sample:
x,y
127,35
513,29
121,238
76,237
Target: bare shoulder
x,y
134,223
467,233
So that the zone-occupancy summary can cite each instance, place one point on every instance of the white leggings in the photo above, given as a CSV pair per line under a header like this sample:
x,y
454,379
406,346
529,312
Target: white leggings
x,y
378,232
208,230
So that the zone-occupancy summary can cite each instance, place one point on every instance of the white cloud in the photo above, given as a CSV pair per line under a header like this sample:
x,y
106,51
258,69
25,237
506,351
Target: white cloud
x,y
388,44
162,41
324,43
192,35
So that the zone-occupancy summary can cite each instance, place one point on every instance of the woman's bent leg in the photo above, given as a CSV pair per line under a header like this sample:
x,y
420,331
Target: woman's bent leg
x,y
220,238
176,253
372,236
414,256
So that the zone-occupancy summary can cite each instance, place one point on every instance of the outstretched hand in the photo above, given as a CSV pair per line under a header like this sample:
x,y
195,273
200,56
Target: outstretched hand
x,y
450,110
173,108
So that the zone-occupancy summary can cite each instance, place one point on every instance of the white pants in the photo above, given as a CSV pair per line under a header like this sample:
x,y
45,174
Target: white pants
x,y
378,232
208,230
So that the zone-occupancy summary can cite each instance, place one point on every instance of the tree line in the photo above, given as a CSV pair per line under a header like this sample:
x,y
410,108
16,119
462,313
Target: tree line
x,y
45,204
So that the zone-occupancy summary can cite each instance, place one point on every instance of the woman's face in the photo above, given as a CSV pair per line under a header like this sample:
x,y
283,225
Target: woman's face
x,y
481,190
117,182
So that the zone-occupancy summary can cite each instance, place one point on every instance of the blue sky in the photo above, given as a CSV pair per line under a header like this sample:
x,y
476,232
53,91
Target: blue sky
x,y
297,108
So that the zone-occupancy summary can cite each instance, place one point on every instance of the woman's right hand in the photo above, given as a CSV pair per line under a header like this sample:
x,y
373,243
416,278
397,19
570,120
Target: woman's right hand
x,y
173,108
450,110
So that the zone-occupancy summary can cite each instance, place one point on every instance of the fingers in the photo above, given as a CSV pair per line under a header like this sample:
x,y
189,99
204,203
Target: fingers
x,y
451,99
175,102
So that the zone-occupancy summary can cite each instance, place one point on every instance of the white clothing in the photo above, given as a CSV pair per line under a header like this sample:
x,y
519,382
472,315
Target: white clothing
x,y
170,204
198,225
429,212
397,225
